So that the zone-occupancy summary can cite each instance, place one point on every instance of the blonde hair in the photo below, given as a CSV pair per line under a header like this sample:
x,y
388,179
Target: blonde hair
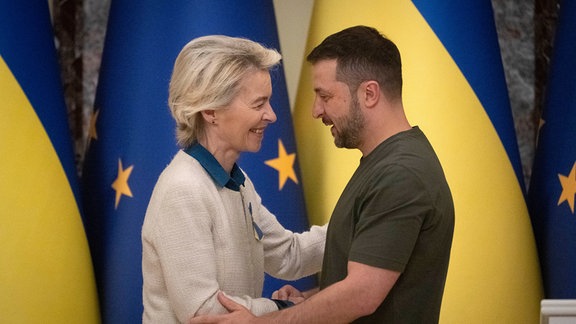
x,y
207,75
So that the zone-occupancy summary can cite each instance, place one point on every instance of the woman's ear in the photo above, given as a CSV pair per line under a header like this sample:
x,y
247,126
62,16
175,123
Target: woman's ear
x,y
209,116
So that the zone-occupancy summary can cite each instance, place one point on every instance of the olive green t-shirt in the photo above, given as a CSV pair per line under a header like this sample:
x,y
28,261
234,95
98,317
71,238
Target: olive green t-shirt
x,y
396,213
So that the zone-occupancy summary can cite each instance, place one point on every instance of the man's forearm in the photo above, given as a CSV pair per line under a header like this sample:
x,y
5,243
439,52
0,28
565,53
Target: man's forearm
x,y
357,295
332,305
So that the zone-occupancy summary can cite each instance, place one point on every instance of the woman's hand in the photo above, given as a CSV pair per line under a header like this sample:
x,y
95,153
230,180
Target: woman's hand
x,y
289,293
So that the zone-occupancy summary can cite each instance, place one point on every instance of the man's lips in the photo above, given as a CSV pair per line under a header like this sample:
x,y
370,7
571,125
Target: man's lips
x,y
327,122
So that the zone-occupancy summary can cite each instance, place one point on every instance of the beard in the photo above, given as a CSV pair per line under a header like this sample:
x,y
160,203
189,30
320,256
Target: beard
x,y
351,125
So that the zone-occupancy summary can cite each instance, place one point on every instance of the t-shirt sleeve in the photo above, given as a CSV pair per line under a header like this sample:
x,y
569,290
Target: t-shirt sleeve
x,y
390,218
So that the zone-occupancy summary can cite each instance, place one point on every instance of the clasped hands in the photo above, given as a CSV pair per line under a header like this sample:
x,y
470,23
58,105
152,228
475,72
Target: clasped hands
x,y
240,314
289,293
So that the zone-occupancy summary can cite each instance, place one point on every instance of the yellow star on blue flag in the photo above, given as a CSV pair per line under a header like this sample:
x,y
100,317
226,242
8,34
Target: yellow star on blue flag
x,y
568,188
284,164
120,185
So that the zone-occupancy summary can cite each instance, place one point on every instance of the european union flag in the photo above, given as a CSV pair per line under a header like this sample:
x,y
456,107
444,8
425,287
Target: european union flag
x,y
553,182
132,134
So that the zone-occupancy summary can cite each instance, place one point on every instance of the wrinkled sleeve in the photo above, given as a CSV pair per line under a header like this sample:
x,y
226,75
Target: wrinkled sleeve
x,y
179,263
289,255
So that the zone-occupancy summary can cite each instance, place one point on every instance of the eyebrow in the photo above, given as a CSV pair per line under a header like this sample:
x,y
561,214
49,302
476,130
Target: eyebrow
x,y
321,90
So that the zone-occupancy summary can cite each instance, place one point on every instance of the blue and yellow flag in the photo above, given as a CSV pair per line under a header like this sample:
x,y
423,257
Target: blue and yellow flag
x,y
45,267
454,89
553,181
132,134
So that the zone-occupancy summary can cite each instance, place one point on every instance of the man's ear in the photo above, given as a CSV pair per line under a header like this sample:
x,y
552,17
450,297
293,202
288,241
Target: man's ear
x,y
370,93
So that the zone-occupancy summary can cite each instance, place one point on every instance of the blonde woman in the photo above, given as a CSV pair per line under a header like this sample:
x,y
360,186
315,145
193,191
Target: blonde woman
x,y
206,229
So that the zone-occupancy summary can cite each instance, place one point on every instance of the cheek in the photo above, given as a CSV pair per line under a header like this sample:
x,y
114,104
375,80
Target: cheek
x,y
239,130
253,120
334,110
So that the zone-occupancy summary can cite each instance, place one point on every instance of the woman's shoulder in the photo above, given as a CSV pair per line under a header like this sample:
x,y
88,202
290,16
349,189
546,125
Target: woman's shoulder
x,y
184,171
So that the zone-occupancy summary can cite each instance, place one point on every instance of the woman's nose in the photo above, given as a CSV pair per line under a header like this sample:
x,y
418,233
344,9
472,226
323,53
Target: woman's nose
x,y
270,115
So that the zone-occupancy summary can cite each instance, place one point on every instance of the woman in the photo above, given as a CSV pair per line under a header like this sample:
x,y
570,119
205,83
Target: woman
x,y
206,229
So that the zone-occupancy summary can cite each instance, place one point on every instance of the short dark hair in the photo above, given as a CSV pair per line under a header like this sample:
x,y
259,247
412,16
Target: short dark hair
x,y
362,54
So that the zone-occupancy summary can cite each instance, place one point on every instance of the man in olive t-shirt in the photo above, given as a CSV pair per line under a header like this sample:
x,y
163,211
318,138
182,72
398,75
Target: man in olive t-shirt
x,y
396,213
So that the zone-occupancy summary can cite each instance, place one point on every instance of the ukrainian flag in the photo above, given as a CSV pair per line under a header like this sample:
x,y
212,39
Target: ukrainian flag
x,y
45,267
454,89
132,135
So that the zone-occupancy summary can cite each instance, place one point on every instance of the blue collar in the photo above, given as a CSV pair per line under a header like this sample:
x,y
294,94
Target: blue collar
x,y
231,181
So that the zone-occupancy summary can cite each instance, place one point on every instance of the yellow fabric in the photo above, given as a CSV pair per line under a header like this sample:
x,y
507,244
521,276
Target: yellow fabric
x,y
494,275
45,267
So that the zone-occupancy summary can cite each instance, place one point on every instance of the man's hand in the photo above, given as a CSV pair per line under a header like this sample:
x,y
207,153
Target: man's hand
x,y
238,313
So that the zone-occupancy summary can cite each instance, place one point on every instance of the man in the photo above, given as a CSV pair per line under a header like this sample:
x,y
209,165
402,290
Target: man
x,y
389,237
